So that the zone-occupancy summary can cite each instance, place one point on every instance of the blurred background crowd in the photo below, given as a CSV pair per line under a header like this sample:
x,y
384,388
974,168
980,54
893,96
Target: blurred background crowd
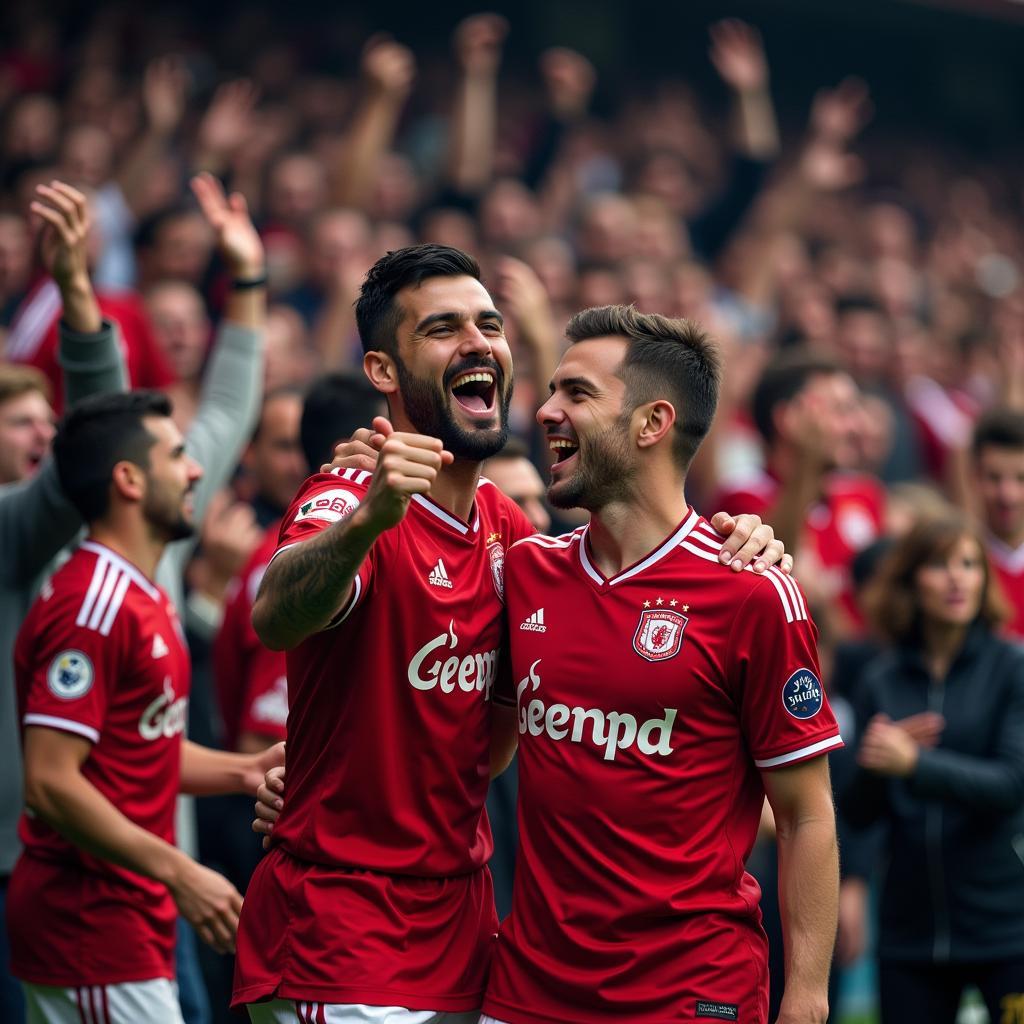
x,y
836,195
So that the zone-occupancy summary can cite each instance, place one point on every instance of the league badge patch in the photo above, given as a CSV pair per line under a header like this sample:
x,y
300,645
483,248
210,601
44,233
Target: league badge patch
x,y
802,694
70,675
659,634
330,507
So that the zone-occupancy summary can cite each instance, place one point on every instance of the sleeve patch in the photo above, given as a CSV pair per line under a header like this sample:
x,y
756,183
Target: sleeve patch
x,y
802,695
70,675
329,506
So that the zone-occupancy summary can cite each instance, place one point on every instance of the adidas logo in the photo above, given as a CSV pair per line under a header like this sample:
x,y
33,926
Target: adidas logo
x,y
439,576
160,648
535,623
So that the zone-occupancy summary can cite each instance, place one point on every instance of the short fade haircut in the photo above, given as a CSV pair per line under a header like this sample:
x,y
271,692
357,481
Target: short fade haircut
x,y
666,358
336,406
783,379
97,434
998,428
16,380
377,317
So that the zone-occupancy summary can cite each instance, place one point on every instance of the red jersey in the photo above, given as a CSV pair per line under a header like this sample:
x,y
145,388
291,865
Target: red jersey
x,y
384,826
100,655
252,683
1008,564
850,517
649,703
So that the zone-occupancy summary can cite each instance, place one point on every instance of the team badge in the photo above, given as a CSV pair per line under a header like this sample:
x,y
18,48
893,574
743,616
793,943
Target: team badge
x,y
70,675
496,556
330,506
659,634
802,695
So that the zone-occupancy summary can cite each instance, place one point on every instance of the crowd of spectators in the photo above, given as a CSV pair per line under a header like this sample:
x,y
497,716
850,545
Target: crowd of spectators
x,y
870,312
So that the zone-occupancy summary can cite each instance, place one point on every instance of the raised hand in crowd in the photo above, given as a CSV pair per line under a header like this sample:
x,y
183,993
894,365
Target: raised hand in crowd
x,y
228,536
64,218
841,113
164,94
478,43
226,125
569,81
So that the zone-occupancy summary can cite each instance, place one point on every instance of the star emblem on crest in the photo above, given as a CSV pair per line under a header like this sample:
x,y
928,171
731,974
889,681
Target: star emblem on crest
x,y
647,604
660,601
673,603
492,537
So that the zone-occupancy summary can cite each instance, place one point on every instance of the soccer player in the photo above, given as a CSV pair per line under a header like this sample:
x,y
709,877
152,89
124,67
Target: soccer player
x,y
998,464
658,700
103,677
374,903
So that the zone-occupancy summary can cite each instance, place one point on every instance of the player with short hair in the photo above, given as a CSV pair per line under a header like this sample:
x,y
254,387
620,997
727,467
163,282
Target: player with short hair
x,y
374,902
658,700
103,679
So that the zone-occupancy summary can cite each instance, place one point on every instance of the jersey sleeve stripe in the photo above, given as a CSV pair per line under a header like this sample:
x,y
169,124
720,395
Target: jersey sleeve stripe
x,y
100,605
782,592
714,544
64,725
700,552
799,608
797,755
357,590
115,604
98,572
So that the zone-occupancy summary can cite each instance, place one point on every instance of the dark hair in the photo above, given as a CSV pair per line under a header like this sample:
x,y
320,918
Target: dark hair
x,y
97,434
891,599
336,405
283,391
376,314
667,358
149,227
999,428
783,379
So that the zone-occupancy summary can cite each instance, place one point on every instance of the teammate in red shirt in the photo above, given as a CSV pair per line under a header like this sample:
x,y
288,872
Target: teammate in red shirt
x,y
103,681
807,409
387,592
658,699
998,464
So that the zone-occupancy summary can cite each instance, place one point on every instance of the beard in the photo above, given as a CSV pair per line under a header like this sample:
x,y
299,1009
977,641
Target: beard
x,y
163,511
604,474
429,408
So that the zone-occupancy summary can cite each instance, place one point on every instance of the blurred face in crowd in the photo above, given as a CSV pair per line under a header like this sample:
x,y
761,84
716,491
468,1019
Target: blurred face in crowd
x,y
15,255
338,238
999,473
453,364
509,214
447,226
171,477
32,129
831,404
518,479
288,360
275,456
951,585
586,427
86,156
297,189
181,249
182,326
865,346
26,430
607,232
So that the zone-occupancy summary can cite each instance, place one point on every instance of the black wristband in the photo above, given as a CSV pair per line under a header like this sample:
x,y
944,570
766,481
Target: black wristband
x,y
241,284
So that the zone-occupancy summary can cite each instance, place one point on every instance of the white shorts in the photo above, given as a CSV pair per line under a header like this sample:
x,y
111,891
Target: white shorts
x,y
128,1003
288,1011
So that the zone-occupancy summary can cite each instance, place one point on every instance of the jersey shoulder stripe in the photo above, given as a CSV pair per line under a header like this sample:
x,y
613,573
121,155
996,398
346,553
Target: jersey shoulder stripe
x,y
540,540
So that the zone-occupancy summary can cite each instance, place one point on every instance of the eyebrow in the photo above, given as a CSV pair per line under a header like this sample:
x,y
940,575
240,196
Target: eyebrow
x,y
178,450
572,382
456,318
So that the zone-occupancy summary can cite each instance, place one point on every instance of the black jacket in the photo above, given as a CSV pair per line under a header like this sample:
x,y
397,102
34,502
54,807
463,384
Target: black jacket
x,y
953,857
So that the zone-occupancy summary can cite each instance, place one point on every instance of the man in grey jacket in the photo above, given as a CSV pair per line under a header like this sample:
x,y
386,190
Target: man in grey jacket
x,y
36,520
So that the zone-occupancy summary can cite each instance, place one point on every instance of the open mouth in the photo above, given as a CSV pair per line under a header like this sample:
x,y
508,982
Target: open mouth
x,y
564,450
476,391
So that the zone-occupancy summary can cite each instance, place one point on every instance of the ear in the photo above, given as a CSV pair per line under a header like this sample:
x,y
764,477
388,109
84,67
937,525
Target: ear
x,y
129,481
380,368
654,421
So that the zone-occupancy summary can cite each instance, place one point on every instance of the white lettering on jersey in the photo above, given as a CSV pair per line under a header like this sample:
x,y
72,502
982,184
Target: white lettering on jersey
x,y
535,623
330,506
613,730
439,576
473,672
165,716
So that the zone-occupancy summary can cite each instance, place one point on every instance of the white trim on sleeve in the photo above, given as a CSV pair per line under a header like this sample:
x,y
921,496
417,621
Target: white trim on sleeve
x,y
795,755
64,725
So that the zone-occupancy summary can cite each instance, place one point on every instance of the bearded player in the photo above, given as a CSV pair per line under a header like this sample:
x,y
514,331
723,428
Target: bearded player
x,y
657,705
374,903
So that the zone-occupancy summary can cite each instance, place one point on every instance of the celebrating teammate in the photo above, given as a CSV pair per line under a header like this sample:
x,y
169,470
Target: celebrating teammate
x,y
103,681
374,903
658,700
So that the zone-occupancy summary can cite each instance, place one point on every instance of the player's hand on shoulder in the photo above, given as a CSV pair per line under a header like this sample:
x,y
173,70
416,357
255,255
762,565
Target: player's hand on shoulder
x,y
747,540
361,450
209,902
269,803
408,464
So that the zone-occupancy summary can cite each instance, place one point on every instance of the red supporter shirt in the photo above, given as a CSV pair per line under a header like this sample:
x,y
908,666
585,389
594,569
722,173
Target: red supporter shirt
x,y
1008,564
648,705
373,891
850,517
101,656
252,683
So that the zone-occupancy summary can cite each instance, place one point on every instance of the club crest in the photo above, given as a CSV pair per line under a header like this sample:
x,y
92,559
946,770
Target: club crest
x,y
659,634
496,556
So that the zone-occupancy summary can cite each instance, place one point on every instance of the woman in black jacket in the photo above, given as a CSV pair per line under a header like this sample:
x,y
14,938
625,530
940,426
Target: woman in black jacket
x,y
941,763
